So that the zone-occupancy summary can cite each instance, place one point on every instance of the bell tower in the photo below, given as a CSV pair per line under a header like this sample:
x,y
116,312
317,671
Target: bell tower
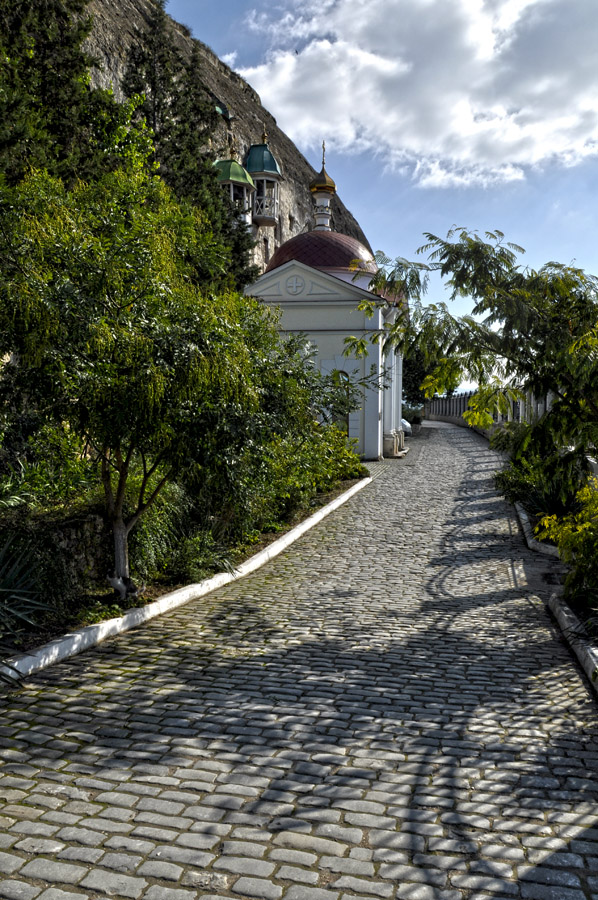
x,y
323,190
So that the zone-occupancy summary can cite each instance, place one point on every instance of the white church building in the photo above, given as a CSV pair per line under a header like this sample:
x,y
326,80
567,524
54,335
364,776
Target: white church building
x,y
311,279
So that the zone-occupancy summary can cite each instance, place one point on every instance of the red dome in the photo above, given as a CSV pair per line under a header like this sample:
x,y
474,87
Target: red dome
x,y
323,250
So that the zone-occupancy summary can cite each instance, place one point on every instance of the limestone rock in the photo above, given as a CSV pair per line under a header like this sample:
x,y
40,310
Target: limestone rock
x,y
116,26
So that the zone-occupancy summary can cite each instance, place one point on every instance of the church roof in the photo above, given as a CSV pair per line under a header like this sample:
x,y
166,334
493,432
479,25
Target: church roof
x,y
323,250
231,170
322,182
261,159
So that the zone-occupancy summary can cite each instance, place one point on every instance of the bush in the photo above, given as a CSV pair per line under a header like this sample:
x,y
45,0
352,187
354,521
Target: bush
x,y
544,486
197,557
154,540
48,467
296,471
576,536
19,596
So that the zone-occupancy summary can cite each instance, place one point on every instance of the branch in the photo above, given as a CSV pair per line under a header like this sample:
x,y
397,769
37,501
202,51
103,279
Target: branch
x,y
107,481
141,509
123,472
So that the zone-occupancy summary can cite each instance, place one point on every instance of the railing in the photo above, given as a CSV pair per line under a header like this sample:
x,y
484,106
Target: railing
x,y
452,408
265,207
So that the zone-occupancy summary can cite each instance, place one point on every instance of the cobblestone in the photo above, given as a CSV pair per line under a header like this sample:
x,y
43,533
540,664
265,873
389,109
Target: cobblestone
x,y
384,711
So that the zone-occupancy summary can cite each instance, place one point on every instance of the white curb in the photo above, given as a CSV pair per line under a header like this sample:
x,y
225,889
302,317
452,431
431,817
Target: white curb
x,y
532,543
91,635
573,630
577,637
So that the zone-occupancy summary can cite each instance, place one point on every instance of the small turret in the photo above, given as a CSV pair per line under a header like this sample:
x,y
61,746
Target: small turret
x,y
323,189
239,182
265,171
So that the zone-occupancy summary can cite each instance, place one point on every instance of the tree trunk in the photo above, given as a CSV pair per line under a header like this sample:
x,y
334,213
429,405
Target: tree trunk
x,y
121,549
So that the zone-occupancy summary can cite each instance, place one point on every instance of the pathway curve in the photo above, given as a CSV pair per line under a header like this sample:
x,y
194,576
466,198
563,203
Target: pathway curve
x,y
384,711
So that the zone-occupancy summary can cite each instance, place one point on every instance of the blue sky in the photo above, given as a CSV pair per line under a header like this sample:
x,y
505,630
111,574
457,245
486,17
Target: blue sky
x,y
480,113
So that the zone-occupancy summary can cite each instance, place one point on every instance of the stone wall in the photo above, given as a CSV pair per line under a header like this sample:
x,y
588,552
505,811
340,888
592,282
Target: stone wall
x,y
116,26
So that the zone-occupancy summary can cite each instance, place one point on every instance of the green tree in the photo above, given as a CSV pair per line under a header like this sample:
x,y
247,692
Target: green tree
x,y
530,332
182,115
50,117
187,165
102,306
153,67
538,332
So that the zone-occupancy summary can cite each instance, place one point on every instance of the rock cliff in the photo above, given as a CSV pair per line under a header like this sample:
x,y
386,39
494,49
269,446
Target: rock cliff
x,y
117,24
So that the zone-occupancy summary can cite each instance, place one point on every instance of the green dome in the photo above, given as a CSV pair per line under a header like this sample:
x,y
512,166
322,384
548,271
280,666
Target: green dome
x,y
230,170
260,159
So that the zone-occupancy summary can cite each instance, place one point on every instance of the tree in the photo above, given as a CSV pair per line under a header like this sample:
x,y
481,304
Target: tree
x,y
182,116
529,332
50,117
153,67
102,305
187,165
539,332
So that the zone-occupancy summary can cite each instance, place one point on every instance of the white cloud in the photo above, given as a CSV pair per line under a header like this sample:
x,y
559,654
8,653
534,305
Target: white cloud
x,y
230,59
461,92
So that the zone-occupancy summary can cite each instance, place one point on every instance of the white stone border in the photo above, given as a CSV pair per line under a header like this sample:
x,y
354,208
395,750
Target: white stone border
x,y
573,630
532,543
576,636
84,638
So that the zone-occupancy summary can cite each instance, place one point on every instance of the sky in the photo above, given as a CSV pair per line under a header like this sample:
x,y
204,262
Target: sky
x,y
475,113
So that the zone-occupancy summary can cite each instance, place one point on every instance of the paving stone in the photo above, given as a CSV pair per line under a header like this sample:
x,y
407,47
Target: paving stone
x,y
10,863
121,862
133,845
293,873
51,870
297,857
154,868
375,888
308,842
18,890
166,893
245,866
57,894
304,893
384,707
88,855
113,884
257,887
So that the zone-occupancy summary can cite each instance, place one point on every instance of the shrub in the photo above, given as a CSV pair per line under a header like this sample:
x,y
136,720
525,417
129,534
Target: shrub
x,y
576,536
197,557
50,468
544,486
19,596
154,540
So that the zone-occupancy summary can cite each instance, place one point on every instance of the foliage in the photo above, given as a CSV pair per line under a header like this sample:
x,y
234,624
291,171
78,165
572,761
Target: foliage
x,y
413,414
52,468
576,536
294,472
50,117
415,370
198,556
103,306
544,487
182,115
99,612
19,603
102,302
538,333
530,333
166,525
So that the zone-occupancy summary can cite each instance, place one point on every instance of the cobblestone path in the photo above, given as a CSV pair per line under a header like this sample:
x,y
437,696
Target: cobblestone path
x,y
385,711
